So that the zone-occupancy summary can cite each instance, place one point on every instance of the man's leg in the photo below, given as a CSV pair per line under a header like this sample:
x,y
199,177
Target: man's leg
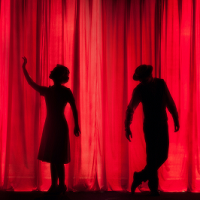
x,y
143,175
157,145
152,167
155,159
153,180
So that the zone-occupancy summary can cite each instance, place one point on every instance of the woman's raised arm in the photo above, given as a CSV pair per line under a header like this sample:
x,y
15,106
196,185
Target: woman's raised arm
x,y
29,79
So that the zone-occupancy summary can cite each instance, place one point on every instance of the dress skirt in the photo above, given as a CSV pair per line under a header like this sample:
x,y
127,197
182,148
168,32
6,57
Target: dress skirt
x,y
55,145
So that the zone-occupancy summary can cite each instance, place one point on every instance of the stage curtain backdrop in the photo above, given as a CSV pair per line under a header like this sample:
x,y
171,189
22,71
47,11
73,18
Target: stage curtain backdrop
x,y
101,42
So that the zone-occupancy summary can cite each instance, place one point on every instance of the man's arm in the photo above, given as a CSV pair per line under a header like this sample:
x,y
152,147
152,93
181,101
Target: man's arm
x,y
135,100
172,108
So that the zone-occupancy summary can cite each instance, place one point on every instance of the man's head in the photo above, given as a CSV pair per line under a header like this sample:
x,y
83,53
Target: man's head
x,y
143,73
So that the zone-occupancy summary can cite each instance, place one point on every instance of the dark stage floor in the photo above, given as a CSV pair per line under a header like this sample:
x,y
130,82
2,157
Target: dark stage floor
x,y
4,195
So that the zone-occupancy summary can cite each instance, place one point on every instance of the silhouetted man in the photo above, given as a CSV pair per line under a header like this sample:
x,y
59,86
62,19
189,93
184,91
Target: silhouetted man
x,y
155,97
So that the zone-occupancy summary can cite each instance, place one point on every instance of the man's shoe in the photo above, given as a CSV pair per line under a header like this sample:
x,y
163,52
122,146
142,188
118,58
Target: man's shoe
x,y
136,182
155,193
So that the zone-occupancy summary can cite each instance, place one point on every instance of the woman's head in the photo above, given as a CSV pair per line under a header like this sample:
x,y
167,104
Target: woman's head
x,y
60,74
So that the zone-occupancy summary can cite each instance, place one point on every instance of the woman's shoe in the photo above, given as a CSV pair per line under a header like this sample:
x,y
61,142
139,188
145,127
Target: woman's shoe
x,y
52,189
61,189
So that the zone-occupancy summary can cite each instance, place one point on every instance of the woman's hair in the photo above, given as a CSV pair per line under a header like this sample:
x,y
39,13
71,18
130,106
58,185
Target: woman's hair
x,y
60,73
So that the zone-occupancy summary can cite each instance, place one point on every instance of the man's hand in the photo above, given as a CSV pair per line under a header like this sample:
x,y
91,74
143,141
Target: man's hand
x,y
176,126
77,131
128,134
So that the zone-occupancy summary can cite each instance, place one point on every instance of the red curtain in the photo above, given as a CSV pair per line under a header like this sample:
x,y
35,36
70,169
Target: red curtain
x,y
101,42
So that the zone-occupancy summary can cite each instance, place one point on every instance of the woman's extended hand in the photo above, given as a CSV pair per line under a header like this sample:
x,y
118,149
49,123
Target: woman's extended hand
x,y
77,131
176,126
25,61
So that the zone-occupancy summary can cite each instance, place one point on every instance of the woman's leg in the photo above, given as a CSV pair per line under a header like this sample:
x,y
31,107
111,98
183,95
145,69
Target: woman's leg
x,y
61,174
54,175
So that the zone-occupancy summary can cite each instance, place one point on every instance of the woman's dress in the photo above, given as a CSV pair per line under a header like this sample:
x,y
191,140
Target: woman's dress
x,y
55,146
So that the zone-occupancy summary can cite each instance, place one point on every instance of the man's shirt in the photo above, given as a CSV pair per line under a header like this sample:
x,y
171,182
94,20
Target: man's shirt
x,y
155,98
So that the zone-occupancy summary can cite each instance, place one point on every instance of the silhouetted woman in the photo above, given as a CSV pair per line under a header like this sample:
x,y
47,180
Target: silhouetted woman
x,y
54,146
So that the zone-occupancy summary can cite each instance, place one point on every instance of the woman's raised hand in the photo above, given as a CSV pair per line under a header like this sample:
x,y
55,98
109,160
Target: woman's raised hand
x,y
25,60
